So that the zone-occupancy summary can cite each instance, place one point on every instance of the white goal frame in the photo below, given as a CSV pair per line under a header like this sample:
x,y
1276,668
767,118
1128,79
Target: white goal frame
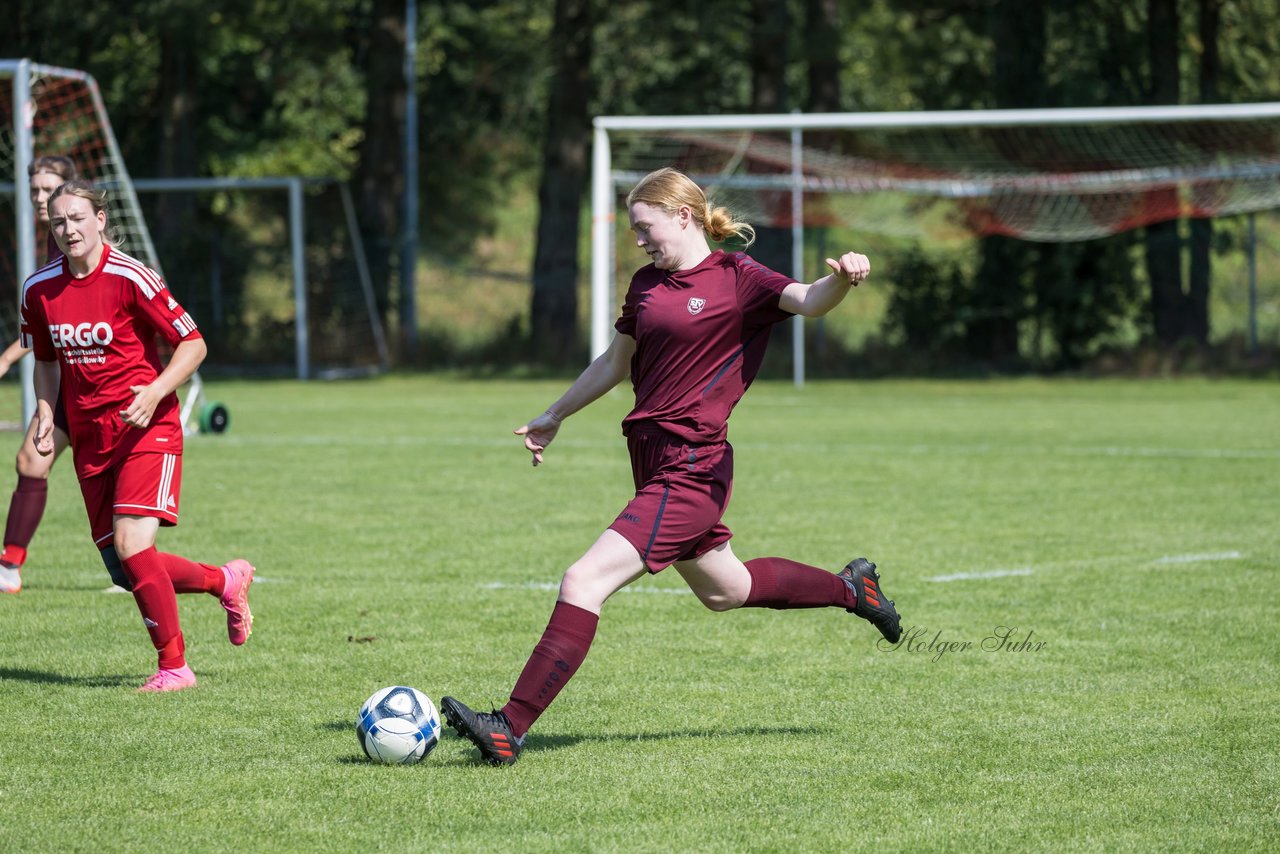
x,y
606,181
21,72
126,189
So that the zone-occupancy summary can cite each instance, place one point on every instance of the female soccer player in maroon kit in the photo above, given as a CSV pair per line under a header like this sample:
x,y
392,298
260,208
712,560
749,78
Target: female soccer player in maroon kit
x,y
692,335
92,322
26,506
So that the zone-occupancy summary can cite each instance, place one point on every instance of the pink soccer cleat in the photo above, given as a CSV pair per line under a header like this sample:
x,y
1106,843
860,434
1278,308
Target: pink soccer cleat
x,y
235,599
170,680
10,579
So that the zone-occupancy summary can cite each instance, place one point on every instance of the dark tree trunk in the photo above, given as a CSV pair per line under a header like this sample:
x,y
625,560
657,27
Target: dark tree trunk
x,y
1163,246
770,22
1200,274
554,310
178,157
998,303
379,178
823,39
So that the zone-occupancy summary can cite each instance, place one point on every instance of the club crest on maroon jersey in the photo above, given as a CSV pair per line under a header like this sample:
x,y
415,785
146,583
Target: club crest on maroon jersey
x,y
696,304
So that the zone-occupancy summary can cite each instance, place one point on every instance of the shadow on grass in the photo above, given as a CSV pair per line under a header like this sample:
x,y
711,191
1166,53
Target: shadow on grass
x,y
541,743
41,677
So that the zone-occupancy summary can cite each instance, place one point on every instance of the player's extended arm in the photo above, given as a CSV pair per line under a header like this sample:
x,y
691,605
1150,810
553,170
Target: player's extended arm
x,y
605,371
11,355
47,379
187,357
828,292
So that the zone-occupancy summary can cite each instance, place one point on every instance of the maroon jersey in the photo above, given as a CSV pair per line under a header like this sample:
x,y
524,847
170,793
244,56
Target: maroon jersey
x,y
700,337
102,332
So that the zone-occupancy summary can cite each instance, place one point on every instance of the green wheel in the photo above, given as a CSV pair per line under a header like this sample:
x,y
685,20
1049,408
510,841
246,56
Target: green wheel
x,y
214,418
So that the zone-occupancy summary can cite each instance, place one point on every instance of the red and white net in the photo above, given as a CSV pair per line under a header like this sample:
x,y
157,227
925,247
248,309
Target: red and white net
x,y
1051,182
67,118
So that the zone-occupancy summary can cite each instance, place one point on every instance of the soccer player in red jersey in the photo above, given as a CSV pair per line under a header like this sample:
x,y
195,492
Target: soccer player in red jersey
x,y
692,335
92,321
26,506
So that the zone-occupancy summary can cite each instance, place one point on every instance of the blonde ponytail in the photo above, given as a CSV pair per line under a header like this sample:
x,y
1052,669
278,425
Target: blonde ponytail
x,y
670,189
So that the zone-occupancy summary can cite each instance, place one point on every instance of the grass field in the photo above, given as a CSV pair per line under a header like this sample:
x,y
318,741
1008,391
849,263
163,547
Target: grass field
x,y
1126,535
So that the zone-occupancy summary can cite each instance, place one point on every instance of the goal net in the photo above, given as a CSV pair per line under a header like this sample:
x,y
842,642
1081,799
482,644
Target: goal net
x,y
45,110
272,269
1042,175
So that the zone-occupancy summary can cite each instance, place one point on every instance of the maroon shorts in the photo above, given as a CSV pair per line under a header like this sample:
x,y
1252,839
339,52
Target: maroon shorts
x,y
141,485
682,491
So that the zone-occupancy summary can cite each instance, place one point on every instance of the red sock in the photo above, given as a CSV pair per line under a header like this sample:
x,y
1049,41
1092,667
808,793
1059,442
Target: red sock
x,y
191,577
26,508
153,591
785,584
555,659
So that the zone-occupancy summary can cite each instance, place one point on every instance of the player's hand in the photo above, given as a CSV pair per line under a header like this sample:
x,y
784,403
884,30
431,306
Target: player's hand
x,y
852,266
143,407
43,438
538,433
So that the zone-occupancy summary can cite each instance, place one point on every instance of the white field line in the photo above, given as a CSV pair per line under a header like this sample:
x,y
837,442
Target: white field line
x,y
974,576
615,441
977,575
982,575
1201,558
547,585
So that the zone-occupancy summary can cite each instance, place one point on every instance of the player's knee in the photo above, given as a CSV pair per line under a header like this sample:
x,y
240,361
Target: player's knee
x,y
580,589
31,464
719,600
115,568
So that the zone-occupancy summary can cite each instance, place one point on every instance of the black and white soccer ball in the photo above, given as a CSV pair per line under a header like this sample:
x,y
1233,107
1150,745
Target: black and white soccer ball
x,y
398,725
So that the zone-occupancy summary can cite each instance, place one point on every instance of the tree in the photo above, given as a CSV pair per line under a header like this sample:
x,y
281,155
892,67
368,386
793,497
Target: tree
x,y
998,302
554,308
379,175
1163,247
1201,250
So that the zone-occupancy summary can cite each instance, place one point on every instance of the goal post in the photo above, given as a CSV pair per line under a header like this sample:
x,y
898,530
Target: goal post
x,y
273,268
1054,175
59,111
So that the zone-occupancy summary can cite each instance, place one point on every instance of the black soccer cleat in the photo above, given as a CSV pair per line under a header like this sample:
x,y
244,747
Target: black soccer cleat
x,y
489,731
873,606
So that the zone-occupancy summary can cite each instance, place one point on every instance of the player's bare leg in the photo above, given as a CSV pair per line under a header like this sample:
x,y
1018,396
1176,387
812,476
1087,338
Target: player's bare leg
x,y
609,565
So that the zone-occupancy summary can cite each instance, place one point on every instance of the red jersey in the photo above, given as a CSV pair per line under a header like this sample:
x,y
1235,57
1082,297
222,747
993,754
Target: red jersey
x,y
700,337
102,332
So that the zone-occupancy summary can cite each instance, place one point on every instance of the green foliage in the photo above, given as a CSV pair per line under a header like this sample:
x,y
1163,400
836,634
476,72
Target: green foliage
x,y
921,315
483,92
260,87
1133,535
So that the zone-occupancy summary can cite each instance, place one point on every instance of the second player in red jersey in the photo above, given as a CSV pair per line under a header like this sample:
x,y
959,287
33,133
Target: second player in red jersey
x,y
92,321
27,503
692,335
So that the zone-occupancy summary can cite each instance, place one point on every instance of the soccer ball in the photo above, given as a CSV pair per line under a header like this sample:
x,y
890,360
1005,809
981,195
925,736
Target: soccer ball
x,y
398,725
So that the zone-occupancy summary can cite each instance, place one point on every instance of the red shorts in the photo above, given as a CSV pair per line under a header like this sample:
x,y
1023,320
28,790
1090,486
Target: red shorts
x,y
141,485
682,491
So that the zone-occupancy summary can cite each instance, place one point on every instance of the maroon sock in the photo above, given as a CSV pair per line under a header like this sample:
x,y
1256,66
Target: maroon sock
x,y
784,584
26,508
555,659
153,591
191,577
